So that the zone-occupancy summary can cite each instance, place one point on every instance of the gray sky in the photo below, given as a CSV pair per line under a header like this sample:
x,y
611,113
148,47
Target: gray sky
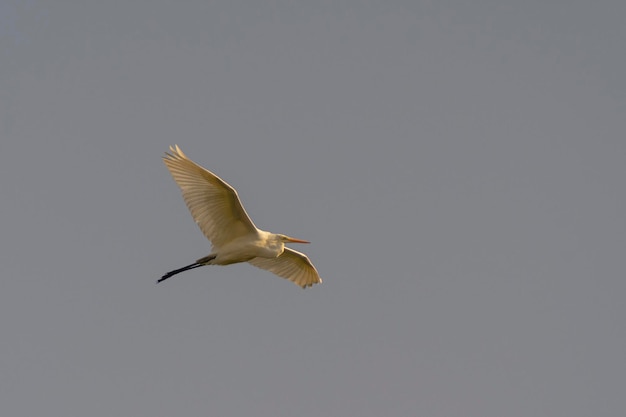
x,y
458,166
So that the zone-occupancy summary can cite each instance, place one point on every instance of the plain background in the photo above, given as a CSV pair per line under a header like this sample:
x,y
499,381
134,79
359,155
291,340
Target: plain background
x,y
459,167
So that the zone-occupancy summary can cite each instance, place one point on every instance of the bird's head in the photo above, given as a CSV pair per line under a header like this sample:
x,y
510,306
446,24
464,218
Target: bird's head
x,y
287,239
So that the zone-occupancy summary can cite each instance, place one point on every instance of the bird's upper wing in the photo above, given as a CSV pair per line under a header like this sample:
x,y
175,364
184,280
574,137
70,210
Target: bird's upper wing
x,y
292,265
213,204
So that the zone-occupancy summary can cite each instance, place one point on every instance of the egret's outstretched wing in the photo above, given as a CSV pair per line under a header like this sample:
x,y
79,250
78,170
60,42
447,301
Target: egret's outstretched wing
x,y
213,204
292,265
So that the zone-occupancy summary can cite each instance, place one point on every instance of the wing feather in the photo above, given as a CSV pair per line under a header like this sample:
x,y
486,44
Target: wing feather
x,y
292,265
213,203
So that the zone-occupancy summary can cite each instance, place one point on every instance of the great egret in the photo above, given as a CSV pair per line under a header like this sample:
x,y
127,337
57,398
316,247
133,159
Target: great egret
x,y
216,208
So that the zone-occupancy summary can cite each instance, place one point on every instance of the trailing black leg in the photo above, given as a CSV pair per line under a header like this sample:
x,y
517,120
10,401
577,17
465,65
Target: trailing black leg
x,y
176,271
197,264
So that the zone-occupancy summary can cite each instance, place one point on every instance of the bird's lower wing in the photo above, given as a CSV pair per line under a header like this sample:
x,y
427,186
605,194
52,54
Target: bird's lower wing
x,y
292,265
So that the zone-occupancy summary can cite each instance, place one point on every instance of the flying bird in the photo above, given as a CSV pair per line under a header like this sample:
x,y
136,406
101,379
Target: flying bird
x,y
216,208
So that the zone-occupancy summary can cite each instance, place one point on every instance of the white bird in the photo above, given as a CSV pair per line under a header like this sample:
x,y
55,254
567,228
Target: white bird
x,y
216,208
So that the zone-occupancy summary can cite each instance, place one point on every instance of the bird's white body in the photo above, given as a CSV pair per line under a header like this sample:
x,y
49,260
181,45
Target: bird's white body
x,y
216,208
261,244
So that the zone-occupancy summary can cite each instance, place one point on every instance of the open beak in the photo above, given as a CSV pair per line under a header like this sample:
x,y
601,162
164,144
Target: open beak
x,y
293,240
